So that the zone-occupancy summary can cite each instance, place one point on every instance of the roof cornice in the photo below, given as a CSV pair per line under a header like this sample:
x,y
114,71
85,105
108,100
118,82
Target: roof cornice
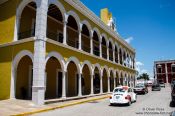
x,y
77,4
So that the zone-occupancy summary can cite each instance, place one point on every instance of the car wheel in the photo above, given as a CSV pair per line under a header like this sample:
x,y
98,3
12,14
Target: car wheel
x,y
111,104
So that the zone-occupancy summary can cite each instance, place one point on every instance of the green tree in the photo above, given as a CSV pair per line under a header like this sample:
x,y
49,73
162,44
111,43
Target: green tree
x,y
144,76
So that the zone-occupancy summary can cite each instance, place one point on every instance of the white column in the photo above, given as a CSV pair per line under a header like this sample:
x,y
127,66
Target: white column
x,y
80,42
65,32
114,82
91,44
79,85
38,89
80,39
101,85
92,85
17,27
100,49
107,53
108,84
124,81
118,57
166,71
113,55
64,84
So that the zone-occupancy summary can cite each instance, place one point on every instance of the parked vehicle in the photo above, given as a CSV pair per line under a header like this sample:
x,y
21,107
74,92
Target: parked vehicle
x,y
123,95
156,87
162,84
173,94
149,83
141,89
172,113
172,83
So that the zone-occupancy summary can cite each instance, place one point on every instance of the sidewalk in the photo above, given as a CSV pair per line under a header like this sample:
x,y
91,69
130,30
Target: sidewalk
x,y
22,107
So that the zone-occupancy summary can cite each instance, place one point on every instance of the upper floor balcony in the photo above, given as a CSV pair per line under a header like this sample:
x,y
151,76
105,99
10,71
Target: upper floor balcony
x,y
66,28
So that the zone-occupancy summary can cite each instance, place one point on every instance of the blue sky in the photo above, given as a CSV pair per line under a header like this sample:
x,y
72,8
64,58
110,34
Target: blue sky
x,y
150,24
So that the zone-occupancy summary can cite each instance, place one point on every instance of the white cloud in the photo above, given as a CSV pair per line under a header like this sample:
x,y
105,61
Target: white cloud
x,y
129,39
139,63
143,71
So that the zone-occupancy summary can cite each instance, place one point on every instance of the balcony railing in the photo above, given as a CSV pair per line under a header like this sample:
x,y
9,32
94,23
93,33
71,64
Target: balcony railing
x,y
96,52
26,34
72,43
55,36
116,57
111,57
86,48
104,55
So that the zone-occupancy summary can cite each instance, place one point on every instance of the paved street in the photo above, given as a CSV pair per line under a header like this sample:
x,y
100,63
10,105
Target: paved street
x,y
154,103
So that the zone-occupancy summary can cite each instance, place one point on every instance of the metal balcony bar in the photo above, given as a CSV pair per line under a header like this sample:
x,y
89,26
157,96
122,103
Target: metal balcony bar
x,y
26,34
72,43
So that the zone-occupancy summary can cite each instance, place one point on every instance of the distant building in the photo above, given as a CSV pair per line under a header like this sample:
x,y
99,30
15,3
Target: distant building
x,y
164,70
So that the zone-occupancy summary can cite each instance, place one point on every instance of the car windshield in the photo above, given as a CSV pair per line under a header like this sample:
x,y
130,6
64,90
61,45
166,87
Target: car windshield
x,y
119,90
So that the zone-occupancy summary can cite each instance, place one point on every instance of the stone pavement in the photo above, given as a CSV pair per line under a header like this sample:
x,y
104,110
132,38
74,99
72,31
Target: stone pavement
x,y
24,107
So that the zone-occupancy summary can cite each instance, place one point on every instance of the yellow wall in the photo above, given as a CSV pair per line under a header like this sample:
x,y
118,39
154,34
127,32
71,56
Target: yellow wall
x,y
6,56
104,15
66,53
7,21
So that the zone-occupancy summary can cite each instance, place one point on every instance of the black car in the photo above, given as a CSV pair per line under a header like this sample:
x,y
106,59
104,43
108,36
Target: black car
x,y
172,83
173,94
156,87
141,89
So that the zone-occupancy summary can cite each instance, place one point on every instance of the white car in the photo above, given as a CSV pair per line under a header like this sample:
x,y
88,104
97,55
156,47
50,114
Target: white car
x,y
123,95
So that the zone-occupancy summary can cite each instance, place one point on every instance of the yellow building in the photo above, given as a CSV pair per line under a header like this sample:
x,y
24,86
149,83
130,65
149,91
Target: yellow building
x,y
52,49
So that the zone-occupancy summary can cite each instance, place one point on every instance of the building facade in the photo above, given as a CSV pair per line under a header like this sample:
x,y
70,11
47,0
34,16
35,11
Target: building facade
x,y
54,49
164,70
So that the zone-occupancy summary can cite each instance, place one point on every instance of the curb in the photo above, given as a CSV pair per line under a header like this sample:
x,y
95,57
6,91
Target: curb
x,y
58,107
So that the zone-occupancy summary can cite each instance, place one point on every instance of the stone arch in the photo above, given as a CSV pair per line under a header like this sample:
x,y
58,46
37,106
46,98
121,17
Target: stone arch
x,y
60,7
96,66
98,33
76,61
86,77
58,57
72,76
86,62
85,22
105,77
76,17
20,31
14,68
97,78
15,63
112,77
